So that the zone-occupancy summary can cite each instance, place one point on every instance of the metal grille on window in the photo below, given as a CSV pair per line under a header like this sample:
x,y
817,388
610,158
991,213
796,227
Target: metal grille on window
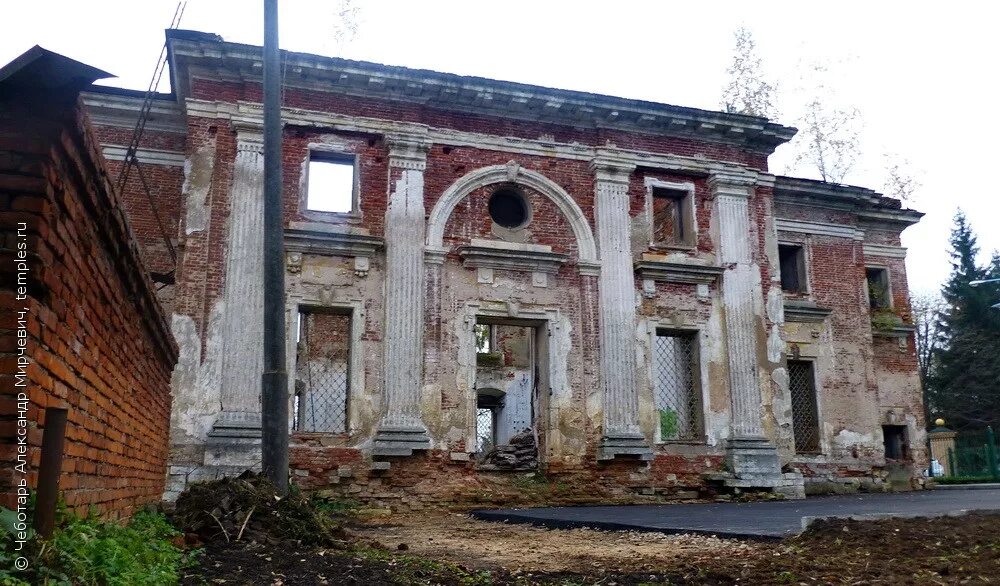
x,y
805,416
674,386
485,429
322,373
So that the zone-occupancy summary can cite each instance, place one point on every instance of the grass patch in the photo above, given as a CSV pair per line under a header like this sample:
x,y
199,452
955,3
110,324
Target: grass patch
x,y
94,552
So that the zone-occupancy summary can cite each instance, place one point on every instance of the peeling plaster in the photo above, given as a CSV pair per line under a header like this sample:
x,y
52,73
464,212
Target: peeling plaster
x,y
198,171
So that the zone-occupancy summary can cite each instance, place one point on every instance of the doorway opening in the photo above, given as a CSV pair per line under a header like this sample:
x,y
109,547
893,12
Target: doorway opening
x,y
506,395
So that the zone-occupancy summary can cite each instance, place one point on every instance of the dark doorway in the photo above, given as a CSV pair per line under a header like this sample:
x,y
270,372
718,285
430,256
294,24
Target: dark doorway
x,y
896,446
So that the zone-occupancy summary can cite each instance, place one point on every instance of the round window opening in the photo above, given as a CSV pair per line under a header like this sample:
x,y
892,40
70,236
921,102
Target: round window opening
x,y
508,208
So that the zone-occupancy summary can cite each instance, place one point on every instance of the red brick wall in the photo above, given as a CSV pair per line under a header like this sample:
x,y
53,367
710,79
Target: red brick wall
x,y
97,340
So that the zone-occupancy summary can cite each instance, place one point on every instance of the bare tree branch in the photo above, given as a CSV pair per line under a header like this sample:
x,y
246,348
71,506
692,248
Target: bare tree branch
x,y
748,91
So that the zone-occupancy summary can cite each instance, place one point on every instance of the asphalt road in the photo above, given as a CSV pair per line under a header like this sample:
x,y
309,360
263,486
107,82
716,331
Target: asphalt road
x,y
761,520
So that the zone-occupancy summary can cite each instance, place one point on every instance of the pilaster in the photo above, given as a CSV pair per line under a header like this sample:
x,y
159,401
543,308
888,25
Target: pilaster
x,y
751,457
622,435
242,321
401,430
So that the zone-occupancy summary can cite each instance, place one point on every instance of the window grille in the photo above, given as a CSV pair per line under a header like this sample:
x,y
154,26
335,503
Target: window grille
x,y
675,385
322,373
485,429
805,416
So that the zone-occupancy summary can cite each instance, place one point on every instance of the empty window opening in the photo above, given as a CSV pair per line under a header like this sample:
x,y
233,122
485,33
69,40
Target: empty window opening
x,y
896,446
505,397
879,293
672,223
330,183
322,373
508,208
792,263
805,414
675,385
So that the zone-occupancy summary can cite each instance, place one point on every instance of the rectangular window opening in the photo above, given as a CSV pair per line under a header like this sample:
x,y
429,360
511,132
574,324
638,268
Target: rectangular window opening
x,y
792,264
672,218
879,293
330,185
805,414
675,385
322,372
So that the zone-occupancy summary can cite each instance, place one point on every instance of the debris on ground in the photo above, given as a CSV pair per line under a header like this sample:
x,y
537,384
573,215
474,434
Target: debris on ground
x,y
248,508
520,453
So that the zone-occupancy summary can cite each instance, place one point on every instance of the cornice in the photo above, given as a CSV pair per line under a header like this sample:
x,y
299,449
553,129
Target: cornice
x,y
677,272
884,250
322,239
805,312
513,257
819,229
200,54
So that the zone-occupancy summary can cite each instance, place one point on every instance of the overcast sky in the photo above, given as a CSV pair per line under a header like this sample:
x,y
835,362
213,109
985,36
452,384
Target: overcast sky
x,y
923,75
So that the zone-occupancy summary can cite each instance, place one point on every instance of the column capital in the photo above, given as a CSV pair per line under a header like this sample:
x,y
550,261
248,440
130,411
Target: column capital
x,y
731,183
408,151
612,169
249,135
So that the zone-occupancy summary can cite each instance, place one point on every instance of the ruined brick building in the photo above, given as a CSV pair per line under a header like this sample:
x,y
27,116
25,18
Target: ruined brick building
x,y
486,278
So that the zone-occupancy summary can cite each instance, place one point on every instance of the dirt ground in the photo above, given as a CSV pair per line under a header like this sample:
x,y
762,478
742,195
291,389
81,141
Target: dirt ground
x,y
455,549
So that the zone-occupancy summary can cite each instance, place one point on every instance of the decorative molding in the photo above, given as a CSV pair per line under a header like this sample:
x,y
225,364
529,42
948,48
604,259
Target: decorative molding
x,y
677,272
611,169
148,156
819,229
407,151
884,250
451,197
731,183
500,255
310,238
805,312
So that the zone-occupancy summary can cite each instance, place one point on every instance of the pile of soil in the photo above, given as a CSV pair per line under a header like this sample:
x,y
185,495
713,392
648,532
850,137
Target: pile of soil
x,y
248,508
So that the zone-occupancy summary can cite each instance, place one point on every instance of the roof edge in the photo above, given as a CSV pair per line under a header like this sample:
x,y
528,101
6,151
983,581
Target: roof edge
x,y
506,99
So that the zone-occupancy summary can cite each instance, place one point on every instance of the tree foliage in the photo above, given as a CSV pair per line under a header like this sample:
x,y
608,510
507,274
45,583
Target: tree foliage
x,y
926,310
965,380
748,91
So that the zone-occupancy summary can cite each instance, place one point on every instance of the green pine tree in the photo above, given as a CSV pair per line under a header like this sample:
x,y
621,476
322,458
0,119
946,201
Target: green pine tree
x,y
965,389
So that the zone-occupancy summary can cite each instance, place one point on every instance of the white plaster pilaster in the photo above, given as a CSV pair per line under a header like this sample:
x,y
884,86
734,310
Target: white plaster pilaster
x,y
401,429
622,435
242,321
740,289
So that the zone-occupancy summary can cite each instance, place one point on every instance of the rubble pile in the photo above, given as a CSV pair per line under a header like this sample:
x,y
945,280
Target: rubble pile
x,y
520,454
248,508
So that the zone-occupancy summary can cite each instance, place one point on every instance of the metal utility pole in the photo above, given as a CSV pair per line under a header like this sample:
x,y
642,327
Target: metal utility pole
x,y
274,387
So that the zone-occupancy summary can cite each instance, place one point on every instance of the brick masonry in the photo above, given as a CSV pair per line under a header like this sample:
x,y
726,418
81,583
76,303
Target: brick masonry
x,y
98,341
